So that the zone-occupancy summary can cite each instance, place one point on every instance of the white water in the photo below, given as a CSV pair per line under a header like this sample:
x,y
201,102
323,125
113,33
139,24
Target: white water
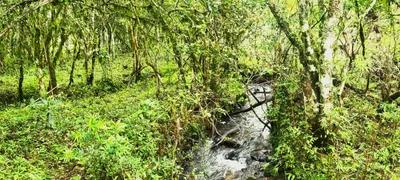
x,y
213,164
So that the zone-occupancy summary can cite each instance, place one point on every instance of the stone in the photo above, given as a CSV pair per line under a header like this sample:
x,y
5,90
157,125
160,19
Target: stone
x,y
233,155
259,155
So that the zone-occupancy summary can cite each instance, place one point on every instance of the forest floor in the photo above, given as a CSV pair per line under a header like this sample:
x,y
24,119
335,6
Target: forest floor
x,y
107,130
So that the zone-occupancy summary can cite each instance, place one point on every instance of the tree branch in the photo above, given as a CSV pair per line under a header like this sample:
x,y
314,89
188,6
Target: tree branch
x,y
222,138
23,14
283,25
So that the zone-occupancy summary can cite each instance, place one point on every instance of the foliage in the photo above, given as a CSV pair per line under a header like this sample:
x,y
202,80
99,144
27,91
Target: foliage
x,y
364,142
123,135
361,130
120,89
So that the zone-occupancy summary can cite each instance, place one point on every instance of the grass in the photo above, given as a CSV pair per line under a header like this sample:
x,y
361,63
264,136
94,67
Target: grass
x,y
108,130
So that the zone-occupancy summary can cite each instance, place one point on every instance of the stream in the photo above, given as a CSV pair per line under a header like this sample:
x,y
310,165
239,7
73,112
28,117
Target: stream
x,y
245,152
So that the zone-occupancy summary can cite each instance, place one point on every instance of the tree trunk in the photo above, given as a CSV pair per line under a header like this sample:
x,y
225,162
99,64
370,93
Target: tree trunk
x,y
1,63
38,57
41,75
64,37
52,63
71,74
110,51
326,80
310,77
90,78
52,72
156,64
21,80
52,75
47,55
178,59
86,63
317,79
137,64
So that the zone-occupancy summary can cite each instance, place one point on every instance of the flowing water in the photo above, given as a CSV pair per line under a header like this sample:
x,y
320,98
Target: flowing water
x,y
237,162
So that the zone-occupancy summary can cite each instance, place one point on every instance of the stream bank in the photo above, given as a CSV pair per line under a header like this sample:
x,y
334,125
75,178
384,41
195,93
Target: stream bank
x,y
240,148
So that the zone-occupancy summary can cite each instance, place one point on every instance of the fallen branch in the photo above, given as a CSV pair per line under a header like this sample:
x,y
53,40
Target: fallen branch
x,y
252,94
262,92
251,107
259,119
222,138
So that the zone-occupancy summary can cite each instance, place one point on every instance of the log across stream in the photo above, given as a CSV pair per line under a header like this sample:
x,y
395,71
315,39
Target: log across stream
x,y
242,149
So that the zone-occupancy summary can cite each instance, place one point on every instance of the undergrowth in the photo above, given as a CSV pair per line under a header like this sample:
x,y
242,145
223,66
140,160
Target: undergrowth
x,y
364,138
108,131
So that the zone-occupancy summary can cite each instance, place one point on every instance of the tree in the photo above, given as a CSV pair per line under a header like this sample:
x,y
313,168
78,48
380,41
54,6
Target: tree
x,y
316,57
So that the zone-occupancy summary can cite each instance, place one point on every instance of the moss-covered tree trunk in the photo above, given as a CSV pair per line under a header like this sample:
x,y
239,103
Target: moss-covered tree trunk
x,y
1,62
77,52
317,62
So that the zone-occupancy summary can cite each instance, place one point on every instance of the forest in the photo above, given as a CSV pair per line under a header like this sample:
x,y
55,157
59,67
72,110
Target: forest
x,y
200,89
